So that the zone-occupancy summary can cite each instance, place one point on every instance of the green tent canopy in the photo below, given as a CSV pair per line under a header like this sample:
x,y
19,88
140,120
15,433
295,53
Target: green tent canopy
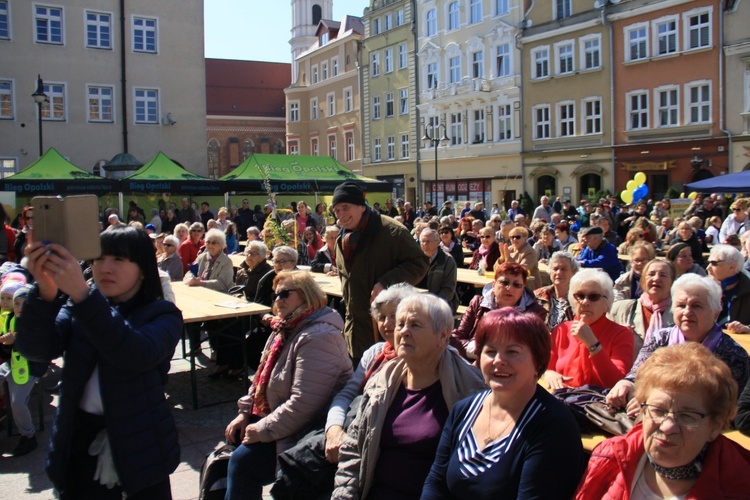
x,y
162,175
296,174
52,174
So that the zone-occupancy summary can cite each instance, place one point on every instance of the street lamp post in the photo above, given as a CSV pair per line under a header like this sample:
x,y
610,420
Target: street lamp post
x,y
39,98
427,140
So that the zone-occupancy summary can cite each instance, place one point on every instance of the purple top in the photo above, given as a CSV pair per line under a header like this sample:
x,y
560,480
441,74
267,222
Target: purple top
x,y
411,433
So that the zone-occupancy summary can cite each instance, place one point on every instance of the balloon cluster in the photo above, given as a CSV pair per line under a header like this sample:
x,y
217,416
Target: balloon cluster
x,y
692,195
636,189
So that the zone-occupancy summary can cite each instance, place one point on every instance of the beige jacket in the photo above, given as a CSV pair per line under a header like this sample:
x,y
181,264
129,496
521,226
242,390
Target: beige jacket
x,y
629,313
222,274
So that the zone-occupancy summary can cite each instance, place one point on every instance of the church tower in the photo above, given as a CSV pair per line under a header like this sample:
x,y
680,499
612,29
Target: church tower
x,y
306,14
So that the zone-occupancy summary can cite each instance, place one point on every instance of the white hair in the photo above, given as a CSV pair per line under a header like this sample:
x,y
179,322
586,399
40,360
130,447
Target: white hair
x,y
565,255
601,278
217,234
436,308
259,246
285,251
394,293
695,285
729,254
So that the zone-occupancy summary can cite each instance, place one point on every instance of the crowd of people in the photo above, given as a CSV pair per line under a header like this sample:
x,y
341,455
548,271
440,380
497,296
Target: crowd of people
x,y
350,394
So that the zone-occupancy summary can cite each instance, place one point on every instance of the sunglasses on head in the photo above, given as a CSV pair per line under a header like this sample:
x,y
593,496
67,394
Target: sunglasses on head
x,y
284,294
593,297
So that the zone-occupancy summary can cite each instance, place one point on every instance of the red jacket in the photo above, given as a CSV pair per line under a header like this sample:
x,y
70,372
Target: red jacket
x,y
613,463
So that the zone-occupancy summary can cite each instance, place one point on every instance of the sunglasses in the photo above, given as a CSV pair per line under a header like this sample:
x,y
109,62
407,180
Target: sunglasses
x,y
284,294
509,284
714,262
593,297
516,237
196,231
168,245
736,210
445,232
486,237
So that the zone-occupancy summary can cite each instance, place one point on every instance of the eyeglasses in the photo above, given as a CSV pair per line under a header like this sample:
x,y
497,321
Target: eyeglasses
x,y
212,242
593,297
714,262
657,415
509,284
736,210
251,254
196,230
516,237
284,294
168,245
285,261
486,236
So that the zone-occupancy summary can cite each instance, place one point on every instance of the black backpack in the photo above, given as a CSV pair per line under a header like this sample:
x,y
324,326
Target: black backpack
x,y
213,484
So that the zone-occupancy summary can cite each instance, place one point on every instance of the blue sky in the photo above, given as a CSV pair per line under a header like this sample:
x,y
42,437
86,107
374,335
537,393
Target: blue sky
x,y
258,30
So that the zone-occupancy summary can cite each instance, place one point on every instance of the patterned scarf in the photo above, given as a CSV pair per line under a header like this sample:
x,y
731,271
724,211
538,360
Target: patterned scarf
x,y
350,240
657,309
387,354
207,271
282,329
689,471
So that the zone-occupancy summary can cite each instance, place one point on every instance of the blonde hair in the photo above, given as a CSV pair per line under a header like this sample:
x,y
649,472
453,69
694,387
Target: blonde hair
x,y
312,294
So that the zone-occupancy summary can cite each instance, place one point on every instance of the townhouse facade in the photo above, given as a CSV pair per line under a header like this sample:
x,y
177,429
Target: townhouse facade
x,y
116,81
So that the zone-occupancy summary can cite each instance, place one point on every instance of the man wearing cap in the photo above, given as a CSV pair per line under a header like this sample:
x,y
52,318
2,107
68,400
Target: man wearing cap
x,y
429,209
569,211
599,253
447,209
373,252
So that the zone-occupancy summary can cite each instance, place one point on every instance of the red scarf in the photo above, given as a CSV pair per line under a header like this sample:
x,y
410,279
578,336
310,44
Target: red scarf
x,y
350,240
282,329
387,354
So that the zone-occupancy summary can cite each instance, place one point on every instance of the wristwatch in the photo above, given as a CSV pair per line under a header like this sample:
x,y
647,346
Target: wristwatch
x,y
595,346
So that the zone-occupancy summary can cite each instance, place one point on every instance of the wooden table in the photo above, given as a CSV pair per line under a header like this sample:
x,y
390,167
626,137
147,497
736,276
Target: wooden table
x,y
473,277
200,304
331,285
742,339
237,259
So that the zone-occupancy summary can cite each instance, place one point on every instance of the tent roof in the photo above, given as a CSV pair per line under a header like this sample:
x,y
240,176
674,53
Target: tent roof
x,y
296,174
52,165
161,174
730,183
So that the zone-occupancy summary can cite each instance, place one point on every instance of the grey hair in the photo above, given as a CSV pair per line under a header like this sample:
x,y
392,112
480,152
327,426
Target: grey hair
x,y
427,231
254,230
395,293
259,246
565,255
592,275
174,240
197,225
285,251
730,254
332,229
217,234
435,307
445,220
693,284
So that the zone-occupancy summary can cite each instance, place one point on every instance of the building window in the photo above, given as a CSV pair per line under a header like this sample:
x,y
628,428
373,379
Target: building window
x,y
332,146
375,66
404,146
431,22
454,65
637,110
4,20
315,74
331,103
98,30
146,106
592,116
334,66
432,75
698,30
475,11
477,64
7,167
403,101
666,36
293,148
390,147
324,70
563,9
503,60
501,7
668,107
433,126
591,52
6,100
565,63
399,17
144,34
294,111
314,147
541,122
637,39
376,26
247,149
478,126
349,147
48,25
348,104
456,129
376,107
504,122
324,38
54,108
402,56
540,56
454,18
376,146
389,104
388,21
699,104
566,119
314,108
388,60
100,100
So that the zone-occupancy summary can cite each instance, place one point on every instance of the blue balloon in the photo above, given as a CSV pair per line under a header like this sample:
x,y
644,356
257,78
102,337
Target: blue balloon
x,y
640,192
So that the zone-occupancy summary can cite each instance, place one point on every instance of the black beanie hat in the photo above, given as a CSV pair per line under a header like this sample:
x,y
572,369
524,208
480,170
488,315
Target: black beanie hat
x,y
675,249
348,192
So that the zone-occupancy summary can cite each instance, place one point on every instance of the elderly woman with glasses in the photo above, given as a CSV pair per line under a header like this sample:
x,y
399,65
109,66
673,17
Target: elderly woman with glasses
x,y
215,269
681,258
253,268
389,448
696,305
626,286
520,252
284,259
590,349
170,261
554,298
450,244
725,265
305,363
191,247
736,222
687,399
488,252
507,290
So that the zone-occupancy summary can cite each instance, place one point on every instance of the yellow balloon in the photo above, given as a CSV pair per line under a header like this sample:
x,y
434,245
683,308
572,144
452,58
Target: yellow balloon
x,y
692,195
682,195
627,197
631,185
640,178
